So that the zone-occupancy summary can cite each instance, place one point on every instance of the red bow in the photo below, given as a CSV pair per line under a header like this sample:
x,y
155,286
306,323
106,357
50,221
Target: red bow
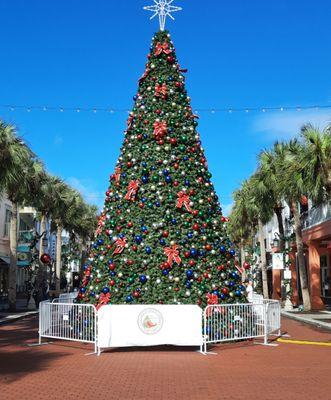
x,y
117,175
161,90
120,245
100,224
162,48
130,120
212,299
160,129
103,300
173,254
132,190
144,76
183,200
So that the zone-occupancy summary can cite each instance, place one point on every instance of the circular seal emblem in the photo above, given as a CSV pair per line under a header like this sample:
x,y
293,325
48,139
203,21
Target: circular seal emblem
x,y
150,321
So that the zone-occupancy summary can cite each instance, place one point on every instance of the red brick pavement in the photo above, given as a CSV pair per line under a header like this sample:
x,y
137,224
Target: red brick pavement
x,y
61,370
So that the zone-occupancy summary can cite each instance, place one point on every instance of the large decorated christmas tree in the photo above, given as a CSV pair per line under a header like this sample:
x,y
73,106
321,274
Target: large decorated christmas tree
x,y
161,236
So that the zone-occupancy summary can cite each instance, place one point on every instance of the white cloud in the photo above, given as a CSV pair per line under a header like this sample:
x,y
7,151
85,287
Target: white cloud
x,y
90,195
287,124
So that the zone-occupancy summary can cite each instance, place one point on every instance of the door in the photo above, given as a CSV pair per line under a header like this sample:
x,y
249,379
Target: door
x,y
325,282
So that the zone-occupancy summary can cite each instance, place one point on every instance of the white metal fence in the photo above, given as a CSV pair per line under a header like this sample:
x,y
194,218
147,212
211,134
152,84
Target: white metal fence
x,y
67,321
66,298
221,322
232,322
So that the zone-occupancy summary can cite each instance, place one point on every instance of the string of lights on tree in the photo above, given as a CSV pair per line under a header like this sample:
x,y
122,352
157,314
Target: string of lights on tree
x,y
214,110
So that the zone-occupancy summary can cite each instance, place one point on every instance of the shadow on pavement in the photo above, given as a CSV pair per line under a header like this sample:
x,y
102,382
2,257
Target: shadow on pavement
x,y
14,365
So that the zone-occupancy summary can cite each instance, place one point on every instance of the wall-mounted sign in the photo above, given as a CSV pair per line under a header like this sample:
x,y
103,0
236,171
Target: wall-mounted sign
x,y
23,256
277,261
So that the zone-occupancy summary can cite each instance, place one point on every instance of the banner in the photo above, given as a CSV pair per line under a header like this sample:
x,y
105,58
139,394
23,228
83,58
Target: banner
x,y
149,325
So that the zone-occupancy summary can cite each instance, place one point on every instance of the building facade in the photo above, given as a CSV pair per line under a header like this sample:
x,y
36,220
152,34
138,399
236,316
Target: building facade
x,y
316,224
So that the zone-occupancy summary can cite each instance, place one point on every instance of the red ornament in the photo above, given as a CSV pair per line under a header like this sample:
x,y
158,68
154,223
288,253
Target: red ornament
x,y
196,227
45,258
173,141
165,234
246,265
112,266
208,247
176,166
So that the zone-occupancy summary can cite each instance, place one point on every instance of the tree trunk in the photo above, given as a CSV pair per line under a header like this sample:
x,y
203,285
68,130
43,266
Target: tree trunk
x,y
301,258
242,259
278,212
58,259
13,258
263,261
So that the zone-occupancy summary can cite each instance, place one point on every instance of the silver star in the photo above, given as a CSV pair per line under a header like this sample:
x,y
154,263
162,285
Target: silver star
x,y
163,9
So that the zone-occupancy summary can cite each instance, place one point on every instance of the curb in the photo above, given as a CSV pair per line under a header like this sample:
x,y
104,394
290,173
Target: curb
x,y
14,317
316,324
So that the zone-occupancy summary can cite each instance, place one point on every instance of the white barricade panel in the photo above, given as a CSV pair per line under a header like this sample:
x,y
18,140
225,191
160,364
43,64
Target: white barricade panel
x,y
149,325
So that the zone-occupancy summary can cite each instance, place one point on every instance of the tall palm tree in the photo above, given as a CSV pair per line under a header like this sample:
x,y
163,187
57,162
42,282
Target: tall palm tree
x,y
16,161
269,185
293,186
316,162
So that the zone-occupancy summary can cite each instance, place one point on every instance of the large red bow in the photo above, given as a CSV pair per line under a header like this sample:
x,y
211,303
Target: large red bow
x,y
120,245
132,190
161,90
162,48
212,299
160,129
103,300
100,224
173,254
117,175
183,200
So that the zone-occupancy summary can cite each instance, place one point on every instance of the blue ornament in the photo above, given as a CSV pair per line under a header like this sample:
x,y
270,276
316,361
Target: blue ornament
x,y
162,242
166,172
105,290
193,252
188,285
222,296
144,179
216,292
148,250
145,136
129,299
83,290
231,284
232,252
144,164
187,182
121,235
143,278
112,273
92,294
144,228
144,199
123,175
165,272
189,274
174,221
185,158
222,249
138,239
158,204
190,235
168,179
202,253
237,292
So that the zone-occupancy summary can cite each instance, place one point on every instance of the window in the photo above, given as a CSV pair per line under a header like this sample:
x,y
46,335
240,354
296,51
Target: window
x,y
7,223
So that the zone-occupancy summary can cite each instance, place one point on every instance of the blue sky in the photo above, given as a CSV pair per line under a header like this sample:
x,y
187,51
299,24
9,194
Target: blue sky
x,y
241,53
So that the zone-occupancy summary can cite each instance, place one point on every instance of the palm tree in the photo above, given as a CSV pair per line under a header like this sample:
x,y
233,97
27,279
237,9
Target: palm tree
x,y
293,187
316,162
269,182
16,161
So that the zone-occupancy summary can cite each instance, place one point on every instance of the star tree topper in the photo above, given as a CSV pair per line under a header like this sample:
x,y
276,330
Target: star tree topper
x,y
163,9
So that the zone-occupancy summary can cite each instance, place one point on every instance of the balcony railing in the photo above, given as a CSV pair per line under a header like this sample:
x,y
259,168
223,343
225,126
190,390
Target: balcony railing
x,y
316,216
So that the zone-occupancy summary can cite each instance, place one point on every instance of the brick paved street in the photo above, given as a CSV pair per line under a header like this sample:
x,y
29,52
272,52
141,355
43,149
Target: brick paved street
x,y
241,371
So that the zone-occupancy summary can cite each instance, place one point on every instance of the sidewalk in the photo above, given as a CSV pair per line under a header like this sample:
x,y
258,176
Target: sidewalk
x,y
319,319
7,317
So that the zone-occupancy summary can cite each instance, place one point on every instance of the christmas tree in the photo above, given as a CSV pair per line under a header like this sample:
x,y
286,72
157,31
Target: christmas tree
x,y
161,236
